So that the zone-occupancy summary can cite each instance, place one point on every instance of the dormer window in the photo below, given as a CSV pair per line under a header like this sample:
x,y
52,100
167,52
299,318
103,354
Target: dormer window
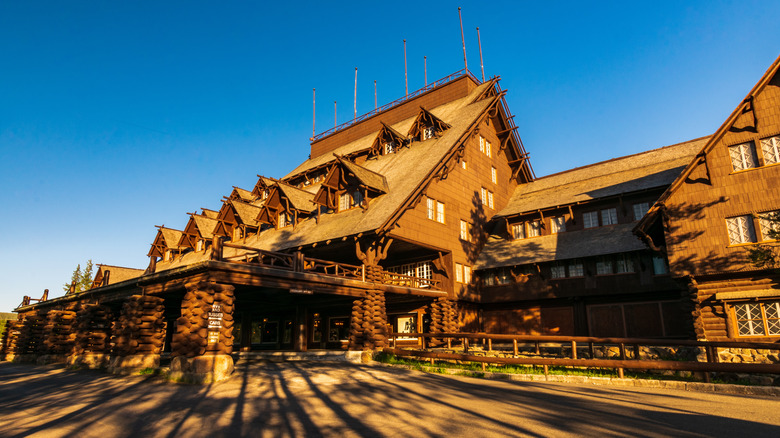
x,y
350,200
428,132
389,148
168,255
199,245
285,219
237,234
265,194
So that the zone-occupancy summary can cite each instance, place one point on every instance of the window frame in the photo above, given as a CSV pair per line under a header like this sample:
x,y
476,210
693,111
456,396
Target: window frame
x,y
557,224
770,330
594,219
750,228
748,146
493,175
773,143
640,206
611,215
465,232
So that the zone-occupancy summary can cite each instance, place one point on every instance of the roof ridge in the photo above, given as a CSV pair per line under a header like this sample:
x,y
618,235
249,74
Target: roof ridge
x,y
623,158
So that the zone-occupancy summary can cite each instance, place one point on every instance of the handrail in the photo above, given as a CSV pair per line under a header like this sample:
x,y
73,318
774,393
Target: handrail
x,y
412,95
396,279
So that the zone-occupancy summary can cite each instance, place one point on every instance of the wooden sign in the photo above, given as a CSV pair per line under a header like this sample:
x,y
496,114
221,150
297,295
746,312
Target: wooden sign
x,y
302,291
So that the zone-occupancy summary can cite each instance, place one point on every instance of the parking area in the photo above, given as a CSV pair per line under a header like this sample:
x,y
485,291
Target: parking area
x,y
340,399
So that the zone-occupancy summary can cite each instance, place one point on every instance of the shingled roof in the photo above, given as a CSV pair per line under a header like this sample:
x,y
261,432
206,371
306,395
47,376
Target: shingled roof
x,y
117,274
246,212
651,169
403,172
205,225
615,239
370,178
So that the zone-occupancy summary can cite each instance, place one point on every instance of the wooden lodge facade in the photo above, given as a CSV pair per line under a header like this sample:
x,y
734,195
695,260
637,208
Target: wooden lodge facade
x,y
426,216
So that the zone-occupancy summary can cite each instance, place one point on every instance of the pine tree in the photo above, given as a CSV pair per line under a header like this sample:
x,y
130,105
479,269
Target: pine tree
x,y
767,255
75,277
86,278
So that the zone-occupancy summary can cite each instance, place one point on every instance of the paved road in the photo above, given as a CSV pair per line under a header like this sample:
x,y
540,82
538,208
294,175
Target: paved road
x,y
319,399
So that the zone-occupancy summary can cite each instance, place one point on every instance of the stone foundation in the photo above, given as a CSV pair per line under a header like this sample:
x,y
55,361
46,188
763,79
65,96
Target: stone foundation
x,y
201,369
748,355
133,364
87,360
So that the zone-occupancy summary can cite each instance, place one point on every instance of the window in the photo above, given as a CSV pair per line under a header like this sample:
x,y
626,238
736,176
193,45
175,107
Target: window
x,y
467,274
758,319
771,148
534,228
464,230
464,165
483,195
482,144
575,269
435,210
389,148
168,255
557,225
344,201
487,149
743,156
604,267
640,210
490,199
769,223
503,276
518,231
558,271
199,245
285,219
660,267
357,198
590,219
428,132
494,175
439,212
236,234
265,194
609,217
458,273
741,229
624,264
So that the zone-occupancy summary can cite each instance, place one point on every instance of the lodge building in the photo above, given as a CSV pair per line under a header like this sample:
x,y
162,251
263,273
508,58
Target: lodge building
x,y
426,216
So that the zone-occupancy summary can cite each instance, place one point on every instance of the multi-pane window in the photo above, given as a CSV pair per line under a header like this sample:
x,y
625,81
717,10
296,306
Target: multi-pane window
x,y
576,269
344,201
758,319
623,264
484,146
771,149
640,210
769,223
558,271
237,234
458,273
428,132
494,175
608,217
490,199
431,209
467,274
741,229
518,231
743,156
439,212
488,152
435,210
285,219
604,266
464,165
389,148
590,219
558,224
660,267
483,195
464,230
534,228
199,246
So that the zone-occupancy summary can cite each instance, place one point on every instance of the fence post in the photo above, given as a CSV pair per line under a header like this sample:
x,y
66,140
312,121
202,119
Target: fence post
x,y
490,344
449,343
574,349
636,351
423,342
590,348
465,345
514,342
537,348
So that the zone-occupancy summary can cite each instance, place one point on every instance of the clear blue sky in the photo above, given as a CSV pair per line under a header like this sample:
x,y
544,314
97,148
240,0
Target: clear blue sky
x,y
118,117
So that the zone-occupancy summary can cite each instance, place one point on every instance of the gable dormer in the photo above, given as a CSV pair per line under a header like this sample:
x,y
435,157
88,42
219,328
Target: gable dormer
x,y
237,220
426,126
198,233
387,141
166,243
107,274
212,214
349,185
262,189
240,194
285,205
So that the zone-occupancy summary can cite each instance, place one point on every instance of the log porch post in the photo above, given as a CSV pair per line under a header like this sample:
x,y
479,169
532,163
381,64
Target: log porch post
x,y
138,334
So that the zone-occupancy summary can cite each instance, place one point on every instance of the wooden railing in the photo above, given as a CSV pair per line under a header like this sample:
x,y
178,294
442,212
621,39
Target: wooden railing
x,y
254,256
410,281
578,345
333,269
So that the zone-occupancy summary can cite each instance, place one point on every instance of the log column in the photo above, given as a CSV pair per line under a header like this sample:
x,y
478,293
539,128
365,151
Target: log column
x,y
11,340
58,336
138,334
443,318
368,325
203,341
92,335
30,341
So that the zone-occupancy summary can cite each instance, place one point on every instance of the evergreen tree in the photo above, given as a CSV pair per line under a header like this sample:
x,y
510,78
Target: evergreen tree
x,y
76,276
767,255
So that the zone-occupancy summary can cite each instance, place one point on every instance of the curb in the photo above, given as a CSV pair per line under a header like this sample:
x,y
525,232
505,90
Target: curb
x,y
720,388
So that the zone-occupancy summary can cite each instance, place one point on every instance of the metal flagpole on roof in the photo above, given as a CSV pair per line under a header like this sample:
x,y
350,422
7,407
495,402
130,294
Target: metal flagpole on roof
x,y
425,68
314,113
481,64
356,93
406,77
375,94
335,113
463,39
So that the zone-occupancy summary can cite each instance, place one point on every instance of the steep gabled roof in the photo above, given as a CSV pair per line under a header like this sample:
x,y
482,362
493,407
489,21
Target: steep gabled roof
x,y
646,170
247,213
166,238
209,213
746,103
116,274
300,199
242,195
205,225
387,135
